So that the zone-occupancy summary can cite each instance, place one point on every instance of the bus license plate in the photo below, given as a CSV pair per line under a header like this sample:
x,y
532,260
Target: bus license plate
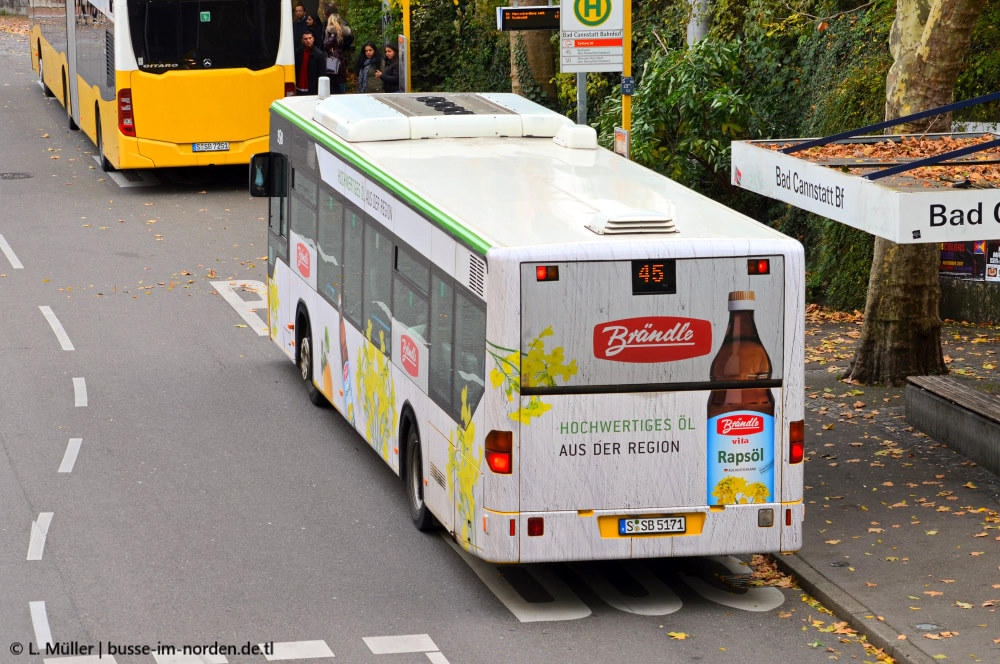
x,y
210,147
652,525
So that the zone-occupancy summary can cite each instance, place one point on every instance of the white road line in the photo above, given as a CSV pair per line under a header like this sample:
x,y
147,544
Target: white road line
x,y
437,658
246,309
81,659
80,392
57,328
69,458
564,605
298,650
660,600
39,530
190,659
392,645
754,599
130,178
40,623
9,253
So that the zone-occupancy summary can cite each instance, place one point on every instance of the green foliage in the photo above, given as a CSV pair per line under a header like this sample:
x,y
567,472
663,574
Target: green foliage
x,y
981,74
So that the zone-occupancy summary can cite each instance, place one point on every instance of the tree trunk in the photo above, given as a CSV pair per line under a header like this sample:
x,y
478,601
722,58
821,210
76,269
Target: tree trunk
x,y
901,335
541,61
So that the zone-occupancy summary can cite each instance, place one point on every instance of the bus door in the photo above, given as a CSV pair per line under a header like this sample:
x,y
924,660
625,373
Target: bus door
x,y
73,9
616,363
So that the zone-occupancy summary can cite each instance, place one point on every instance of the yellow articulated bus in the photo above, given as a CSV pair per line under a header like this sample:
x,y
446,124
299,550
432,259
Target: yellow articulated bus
x,y
158,83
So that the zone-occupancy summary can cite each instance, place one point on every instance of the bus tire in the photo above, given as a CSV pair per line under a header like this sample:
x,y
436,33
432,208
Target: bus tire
x,y
422,517
69,104
106,165
306,368
41,76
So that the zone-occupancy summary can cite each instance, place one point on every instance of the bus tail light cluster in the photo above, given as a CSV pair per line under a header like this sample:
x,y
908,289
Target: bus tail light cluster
x,y
126,120
498,451
796,439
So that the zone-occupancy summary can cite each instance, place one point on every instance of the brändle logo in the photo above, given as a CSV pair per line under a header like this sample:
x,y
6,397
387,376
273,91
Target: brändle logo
x,y
409,355
302,259
739,425
652,339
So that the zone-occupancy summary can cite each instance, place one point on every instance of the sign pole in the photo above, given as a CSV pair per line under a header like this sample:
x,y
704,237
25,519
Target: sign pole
x,y
409,43
627,71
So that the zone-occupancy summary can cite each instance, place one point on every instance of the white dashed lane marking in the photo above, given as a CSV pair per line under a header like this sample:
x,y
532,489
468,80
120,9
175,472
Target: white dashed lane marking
x,y
69,457
39,531
393,645
57,327
40,623
9,253
190,659
79,392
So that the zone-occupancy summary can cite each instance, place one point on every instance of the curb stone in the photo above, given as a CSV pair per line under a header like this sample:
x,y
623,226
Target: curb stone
x,y
853,612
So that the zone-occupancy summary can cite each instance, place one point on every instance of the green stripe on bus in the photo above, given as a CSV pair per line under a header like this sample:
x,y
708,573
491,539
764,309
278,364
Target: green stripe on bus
x,y
456,229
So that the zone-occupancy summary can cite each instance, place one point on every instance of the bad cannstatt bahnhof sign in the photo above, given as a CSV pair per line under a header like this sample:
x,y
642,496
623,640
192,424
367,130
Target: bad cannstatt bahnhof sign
x,y
871,195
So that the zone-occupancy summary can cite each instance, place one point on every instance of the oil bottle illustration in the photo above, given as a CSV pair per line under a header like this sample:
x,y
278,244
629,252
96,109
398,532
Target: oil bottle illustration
x,y
740,419
345,363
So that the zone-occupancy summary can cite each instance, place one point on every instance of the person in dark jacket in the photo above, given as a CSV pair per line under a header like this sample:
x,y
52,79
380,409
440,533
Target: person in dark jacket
x,y
315,26
368,63
336,58
310,64
389,74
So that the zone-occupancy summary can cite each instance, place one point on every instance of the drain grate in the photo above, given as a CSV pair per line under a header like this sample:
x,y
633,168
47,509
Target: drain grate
x,y
15,176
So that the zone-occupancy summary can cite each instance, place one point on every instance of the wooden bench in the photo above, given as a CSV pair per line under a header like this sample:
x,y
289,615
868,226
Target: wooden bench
x,y
966,419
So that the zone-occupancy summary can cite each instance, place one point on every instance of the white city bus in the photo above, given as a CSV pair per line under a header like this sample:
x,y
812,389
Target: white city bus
x,y
526,326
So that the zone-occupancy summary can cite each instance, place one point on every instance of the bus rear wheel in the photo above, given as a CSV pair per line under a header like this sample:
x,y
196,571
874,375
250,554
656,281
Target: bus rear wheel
x,y
106,165
306,367
422,517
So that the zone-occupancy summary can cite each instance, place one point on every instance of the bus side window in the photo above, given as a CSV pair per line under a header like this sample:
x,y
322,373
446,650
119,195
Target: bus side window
x,y
470,351
354,229
409,303
331,245
442,331
377,291
303,207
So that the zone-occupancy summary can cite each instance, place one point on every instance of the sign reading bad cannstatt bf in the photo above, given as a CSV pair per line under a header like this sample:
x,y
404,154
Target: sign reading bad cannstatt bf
x,y
592,36
900,209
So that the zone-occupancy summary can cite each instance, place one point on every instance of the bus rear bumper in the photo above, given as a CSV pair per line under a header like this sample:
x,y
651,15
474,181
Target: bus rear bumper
x,y
158,154
593,535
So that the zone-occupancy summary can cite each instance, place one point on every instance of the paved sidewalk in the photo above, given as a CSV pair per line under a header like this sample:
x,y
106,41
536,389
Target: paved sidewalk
x,y
902,535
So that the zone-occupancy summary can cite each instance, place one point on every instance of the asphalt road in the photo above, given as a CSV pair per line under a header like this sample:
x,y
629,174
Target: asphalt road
x,y
164,481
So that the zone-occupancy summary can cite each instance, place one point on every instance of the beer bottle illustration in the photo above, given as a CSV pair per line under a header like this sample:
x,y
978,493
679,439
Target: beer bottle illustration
x,y
345,363
740,416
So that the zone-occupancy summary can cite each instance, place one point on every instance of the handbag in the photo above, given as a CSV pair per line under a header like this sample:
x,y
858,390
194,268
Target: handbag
x,y
333,65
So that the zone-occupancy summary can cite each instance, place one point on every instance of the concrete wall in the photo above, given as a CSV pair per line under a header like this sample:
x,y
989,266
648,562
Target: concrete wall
x,y
972,301
14,7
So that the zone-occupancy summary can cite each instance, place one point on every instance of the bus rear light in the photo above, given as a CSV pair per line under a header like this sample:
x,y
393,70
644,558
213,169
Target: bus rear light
x,y
547,273
788,517
536,526
126,120
758,266
796,440
289,89
513,527
498,451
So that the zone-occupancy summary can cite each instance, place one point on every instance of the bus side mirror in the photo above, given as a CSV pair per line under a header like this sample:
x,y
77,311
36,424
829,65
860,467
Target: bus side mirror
x,y
267,170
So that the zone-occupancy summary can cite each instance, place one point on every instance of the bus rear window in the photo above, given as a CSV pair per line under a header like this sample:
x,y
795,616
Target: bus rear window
x,y
170,35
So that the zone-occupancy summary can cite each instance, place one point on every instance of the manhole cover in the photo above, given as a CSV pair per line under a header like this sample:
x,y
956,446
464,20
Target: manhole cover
x,y
14,176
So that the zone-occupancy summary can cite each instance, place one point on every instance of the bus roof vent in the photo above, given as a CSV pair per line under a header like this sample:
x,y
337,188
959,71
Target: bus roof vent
x,y
632,224
393,117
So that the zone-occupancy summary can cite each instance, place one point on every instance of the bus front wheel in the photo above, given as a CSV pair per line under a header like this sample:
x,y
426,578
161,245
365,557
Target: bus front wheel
x,y
306,367
422,518
41,76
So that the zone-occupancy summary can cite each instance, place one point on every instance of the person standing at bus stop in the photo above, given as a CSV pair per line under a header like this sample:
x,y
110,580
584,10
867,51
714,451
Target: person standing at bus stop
x,y
389,74
368,63
338,37
310,64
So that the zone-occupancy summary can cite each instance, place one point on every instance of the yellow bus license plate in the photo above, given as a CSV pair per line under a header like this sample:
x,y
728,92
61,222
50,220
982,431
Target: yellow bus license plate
x,y
210,147
656,525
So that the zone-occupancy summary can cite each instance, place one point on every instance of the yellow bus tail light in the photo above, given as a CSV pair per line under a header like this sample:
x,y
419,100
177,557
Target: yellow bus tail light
x,y
126,119
498,451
